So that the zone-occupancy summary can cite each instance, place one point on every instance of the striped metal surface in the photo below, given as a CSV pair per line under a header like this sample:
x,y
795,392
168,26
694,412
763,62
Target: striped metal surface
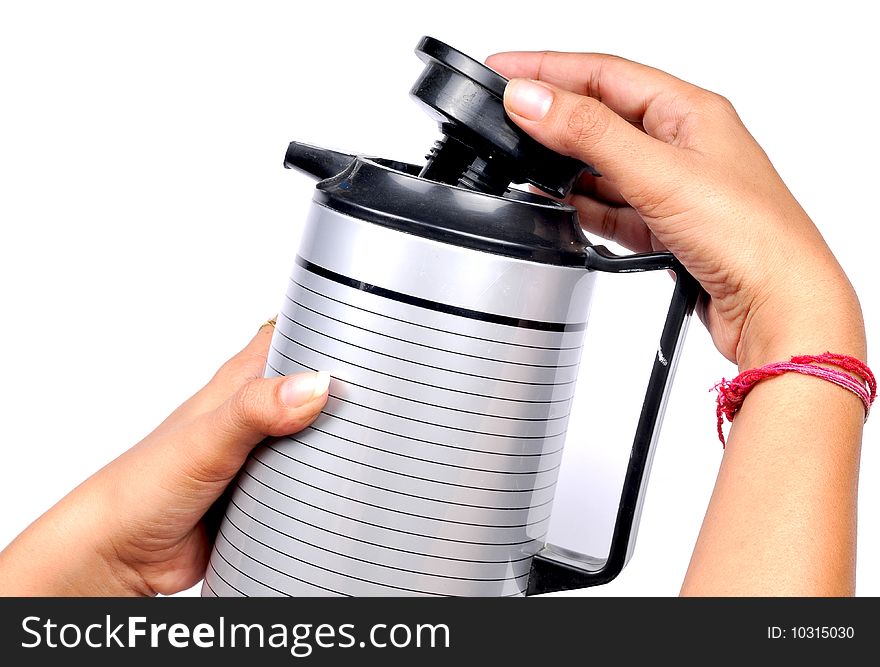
x,y
432,468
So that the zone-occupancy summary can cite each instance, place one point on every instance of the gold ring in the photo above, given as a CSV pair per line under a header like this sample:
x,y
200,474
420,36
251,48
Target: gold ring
x,y
269,323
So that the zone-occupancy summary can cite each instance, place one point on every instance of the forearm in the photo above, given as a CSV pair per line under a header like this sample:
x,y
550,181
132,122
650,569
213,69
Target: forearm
x,y
782,518
60,555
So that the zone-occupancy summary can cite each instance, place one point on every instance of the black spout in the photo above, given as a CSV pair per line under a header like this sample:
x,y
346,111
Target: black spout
x,y
319,163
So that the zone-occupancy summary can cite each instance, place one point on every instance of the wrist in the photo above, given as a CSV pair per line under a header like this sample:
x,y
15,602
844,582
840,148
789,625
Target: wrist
x,y
66,552
811,323
40,564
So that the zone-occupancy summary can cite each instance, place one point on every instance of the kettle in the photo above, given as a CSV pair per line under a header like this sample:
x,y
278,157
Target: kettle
x,y
450,311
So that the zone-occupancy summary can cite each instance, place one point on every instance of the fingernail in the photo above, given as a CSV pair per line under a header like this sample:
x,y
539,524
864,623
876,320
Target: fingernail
x,y
301,388
528,99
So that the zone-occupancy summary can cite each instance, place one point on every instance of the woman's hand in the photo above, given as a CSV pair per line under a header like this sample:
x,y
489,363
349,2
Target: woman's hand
x,y
138,526
680,171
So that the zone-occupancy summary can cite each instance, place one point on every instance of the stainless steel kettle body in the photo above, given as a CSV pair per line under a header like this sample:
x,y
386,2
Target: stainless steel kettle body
x,y
450,312
431,470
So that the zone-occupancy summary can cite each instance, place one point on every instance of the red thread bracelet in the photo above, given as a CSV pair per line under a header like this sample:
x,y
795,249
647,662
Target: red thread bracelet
x,y
732,393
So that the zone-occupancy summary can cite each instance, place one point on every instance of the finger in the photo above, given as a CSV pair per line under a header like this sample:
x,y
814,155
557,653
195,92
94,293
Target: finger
x,y
621,224
248,364
626,87
598,187
586,129
217,443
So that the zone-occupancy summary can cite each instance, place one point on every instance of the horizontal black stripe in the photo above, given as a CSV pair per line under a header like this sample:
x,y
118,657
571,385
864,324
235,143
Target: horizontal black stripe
x,y
396,415
425,345
312,427
311,564
241,572
405,379
430,405
315,565
308,583
418,363
423,384
423,440
223,579
403,474
350,557
404,493
413,514
434,442
220,533
378,525
351,537
436,305
430,328
508,436
210,587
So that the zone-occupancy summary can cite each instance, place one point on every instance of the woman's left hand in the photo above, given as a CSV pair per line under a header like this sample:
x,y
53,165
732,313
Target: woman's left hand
x,y
138,526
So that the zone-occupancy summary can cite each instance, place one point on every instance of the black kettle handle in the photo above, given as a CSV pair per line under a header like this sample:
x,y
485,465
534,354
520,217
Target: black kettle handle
x,y
558,569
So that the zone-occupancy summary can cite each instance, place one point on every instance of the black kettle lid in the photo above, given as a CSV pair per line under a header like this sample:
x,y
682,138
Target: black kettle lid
x,y
482,149
462,195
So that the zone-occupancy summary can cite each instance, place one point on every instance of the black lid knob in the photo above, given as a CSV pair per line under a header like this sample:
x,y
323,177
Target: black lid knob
x,y
482,149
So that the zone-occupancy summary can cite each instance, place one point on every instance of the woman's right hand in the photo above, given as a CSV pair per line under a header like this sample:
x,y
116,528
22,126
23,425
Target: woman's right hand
x,y
681,172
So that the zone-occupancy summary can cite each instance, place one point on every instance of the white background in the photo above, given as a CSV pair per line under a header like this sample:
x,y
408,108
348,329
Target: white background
x,y
148,227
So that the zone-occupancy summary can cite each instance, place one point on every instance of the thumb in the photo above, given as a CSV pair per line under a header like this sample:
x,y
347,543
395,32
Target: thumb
x,y
584,128
221,440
